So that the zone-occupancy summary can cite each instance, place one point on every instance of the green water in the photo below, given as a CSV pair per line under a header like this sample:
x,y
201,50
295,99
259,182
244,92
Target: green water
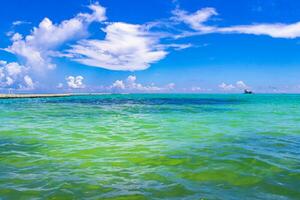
x,y
151,147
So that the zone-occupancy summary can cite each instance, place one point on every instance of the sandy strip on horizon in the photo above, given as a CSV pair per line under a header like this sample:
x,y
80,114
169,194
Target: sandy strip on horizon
x,y
8,96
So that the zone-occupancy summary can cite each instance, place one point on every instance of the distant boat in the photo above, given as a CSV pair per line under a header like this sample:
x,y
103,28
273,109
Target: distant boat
x,y
246,91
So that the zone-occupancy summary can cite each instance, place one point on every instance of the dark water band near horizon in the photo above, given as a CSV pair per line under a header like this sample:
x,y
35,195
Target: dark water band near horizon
x,y
160,146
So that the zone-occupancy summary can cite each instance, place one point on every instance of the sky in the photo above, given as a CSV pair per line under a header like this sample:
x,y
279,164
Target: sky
x,y
134,46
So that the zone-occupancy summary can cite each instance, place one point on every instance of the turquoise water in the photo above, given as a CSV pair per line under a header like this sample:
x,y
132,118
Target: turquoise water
x,y
151,147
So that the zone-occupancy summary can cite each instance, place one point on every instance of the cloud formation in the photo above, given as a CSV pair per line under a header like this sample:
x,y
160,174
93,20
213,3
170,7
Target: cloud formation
x,y
131,85
19,22
226,87
239,85
29,82
75,82
278,30
196,21
118,84
14,75
125,47
36,48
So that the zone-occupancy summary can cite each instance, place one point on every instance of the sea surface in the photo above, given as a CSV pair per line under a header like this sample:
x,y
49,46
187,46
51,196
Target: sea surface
x,y
158,146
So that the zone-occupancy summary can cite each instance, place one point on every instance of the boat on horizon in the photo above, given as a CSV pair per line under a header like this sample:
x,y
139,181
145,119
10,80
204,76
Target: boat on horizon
x,y
246,91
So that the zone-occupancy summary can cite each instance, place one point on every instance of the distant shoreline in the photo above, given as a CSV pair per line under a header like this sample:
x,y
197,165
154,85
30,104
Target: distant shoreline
x,y
13,96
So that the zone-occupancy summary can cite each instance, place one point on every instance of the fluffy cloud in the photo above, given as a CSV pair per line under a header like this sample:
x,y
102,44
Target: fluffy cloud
x,y
75,82
196,20
29,82
13,75
226,87
131,85
240,85
98,15
118,84
36,48
16,37
125,47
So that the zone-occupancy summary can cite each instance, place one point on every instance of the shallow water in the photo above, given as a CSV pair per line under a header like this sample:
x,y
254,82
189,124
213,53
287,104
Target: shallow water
x,y
151,147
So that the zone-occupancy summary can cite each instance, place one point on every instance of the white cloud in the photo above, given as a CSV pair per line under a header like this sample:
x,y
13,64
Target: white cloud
x,y
29,82
226,87
36,47
16,23
277,30
131,79
14,69
239,85
2,62
118,84
75,82
98,15
174,46
196,20
8,81
13,75
19,22
125,47
131,85
16,36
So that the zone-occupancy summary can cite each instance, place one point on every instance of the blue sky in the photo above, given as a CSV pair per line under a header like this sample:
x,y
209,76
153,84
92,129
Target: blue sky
x,y
199,46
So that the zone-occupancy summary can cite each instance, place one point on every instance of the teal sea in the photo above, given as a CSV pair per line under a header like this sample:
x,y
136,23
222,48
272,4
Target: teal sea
x,y
158,146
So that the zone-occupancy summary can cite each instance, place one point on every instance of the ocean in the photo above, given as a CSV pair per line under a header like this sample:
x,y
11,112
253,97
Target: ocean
x,y
151,146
